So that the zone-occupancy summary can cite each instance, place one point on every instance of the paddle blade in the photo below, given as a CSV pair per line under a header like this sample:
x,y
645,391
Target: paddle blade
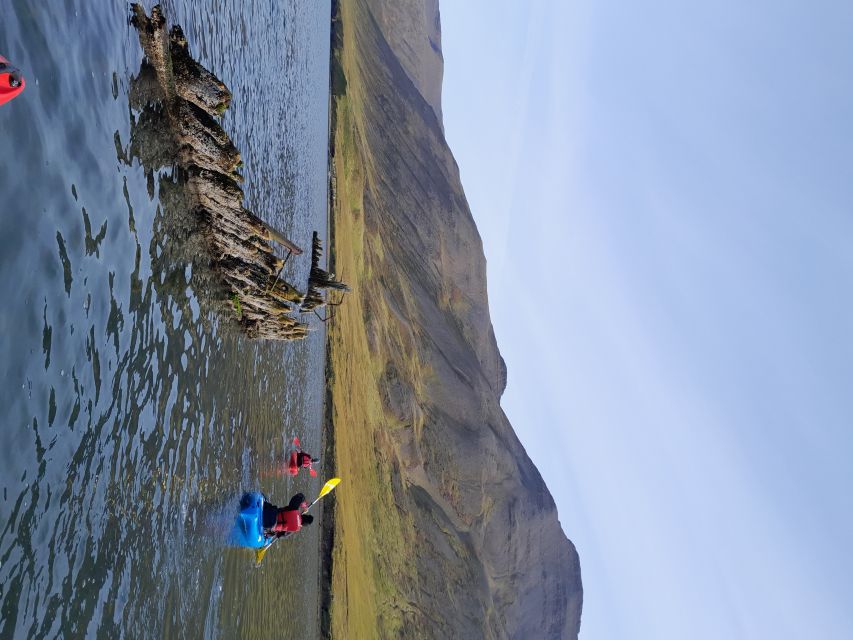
x,y
313,472
259,555
296,442
331,484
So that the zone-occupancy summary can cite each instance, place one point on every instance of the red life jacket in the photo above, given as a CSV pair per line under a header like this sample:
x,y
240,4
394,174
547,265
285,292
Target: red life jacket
x,y
306,459
290,520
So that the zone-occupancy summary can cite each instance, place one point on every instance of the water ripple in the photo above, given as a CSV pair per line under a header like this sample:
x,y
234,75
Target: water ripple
x,y
133,418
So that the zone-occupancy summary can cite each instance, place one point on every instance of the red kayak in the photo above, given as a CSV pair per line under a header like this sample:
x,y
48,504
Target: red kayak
x,y
295,461
11,81
293,464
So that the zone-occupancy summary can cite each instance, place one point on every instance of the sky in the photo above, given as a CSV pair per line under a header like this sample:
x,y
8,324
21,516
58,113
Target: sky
x,y
667,184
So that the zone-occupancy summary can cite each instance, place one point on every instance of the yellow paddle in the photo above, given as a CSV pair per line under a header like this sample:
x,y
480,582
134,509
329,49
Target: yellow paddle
x,y
327,488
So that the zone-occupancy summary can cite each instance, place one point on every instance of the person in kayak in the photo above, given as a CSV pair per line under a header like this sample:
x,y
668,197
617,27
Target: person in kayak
x,y
280,522
300,459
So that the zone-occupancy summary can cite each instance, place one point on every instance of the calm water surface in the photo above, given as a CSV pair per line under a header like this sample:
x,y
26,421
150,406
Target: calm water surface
x,y
133,418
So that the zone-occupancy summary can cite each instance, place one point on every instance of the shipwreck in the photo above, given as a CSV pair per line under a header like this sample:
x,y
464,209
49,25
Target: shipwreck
x,y
178,102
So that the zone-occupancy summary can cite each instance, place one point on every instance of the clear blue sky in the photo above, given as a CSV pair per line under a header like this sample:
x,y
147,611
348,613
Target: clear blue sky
x,y
671,184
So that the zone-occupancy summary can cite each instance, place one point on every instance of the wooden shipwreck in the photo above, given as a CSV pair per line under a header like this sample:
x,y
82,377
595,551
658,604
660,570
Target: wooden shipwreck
x,y
178,102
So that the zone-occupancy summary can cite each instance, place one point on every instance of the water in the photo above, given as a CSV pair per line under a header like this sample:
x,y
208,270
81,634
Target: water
x,y
133,417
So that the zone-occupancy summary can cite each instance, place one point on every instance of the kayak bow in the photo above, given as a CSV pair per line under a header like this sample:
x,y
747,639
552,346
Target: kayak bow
x,y
12,83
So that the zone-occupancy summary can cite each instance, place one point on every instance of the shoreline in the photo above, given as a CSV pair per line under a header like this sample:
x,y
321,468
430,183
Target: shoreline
x,y
327,534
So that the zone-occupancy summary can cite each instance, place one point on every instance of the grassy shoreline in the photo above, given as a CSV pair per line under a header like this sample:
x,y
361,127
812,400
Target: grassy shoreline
x,y
327,536
363,537
375,578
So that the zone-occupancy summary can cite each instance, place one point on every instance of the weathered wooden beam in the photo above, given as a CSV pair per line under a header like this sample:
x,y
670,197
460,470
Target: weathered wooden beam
x,y
277,236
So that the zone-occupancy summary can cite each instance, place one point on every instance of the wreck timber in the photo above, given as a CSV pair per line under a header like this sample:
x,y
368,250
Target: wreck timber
x,y
319,280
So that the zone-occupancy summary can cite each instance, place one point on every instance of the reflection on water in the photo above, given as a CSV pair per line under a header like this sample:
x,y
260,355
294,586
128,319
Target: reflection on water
x,y
133,420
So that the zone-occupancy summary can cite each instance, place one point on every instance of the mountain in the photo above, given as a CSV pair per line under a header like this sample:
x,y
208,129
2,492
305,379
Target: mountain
x,y
443,527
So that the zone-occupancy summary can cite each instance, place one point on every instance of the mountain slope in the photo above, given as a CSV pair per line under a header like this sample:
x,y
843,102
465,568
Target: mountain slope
x,y
447,529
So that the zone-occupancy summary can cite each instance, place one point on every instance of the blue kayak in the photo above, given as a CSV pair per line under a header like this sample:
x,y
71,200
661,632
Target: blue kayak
x,y
248,528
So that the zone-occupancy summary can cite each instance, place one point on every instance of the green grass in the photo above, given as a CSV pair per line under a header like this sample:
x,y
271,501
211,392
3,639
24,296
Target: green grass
x,y
373,560
371,555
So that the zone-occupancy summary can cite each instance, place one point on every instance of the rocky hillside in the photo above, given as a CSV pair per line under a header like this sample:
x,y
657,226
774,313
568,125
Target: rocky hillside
x,y
453,532
412,29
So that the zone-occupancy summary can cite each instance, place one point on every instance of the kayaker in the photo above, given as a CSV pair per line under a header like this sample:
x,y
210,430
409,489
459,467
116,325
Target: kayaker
x,y
296,460
281,522
300,459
